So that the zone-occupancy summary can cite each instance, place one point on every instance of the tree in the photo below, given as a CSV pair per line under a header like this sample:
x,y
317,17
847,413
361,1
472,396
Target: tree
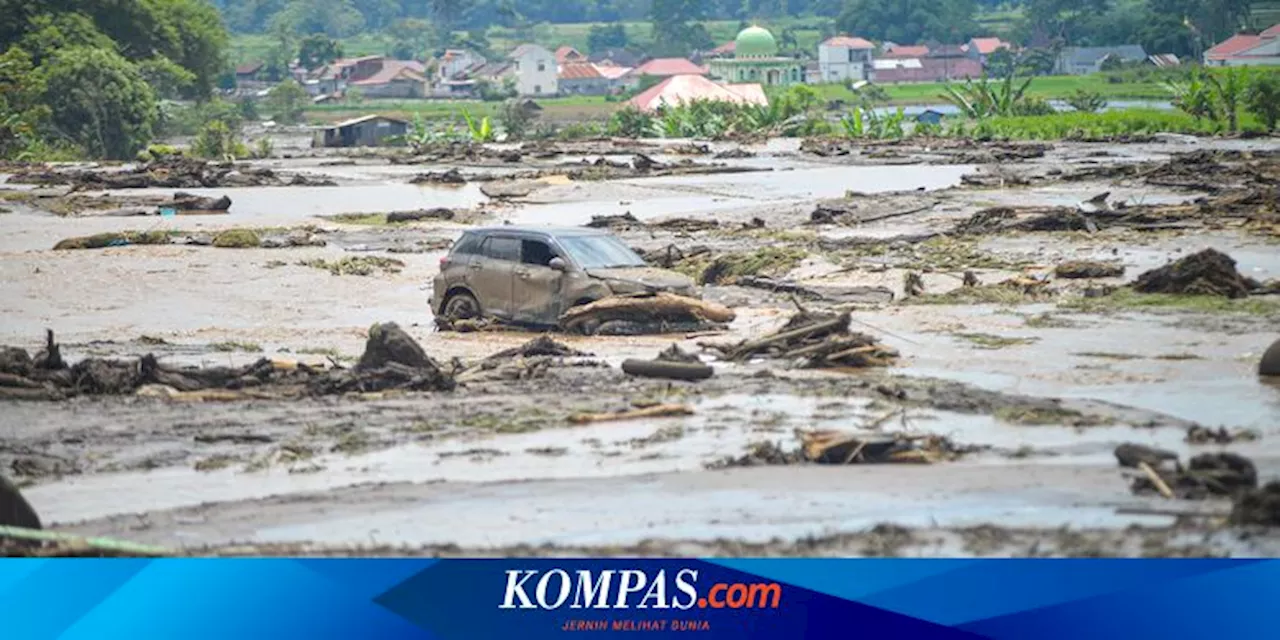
x,y
1262,98
336,18
99,101
675,27
1059,20
286,101
610,36
317,50
1229,90
909,21
411,38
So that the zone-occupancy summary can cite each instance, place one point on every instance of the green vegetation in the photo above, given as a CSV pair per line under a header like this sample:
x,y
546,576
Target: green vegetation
x,y
237,239
85,79
991,341
113,239
1128,300
232,345
217,141
356,266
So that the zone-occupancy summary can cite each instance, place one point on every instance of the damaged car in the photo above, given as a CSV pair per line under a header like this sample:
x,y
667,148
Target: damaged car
x,y
532,275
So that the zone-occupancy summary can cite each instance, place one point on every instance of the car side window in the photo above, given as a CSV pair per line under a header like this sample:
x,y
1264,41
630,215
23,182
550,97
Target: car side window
x,y
500,248
536,252
468,244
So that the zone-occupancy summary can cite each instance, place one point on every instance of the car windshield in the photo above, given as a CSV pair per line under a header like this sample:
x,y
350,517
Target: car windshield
x,y
600,252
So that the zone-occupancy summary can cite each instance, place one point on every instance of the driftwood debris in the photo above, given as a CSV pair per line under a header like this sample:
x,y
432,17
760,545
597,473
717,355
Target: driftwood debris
x,y
814,340
658,411
1206,475
656,312
392,361
841,448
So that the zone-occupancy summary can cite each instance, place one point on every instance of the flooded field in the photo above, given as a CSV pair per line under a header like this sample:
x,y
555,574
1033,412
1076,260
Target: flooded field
x,y
952,255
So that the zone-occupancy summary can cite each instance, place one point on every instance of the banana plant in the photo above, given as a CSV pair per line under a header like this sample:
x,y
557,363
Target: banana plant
x,y
481,130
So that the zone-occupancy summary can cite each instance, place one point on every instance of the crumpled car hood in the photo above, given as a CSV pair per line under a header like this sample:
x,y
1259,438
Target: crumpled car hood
x,y
645,276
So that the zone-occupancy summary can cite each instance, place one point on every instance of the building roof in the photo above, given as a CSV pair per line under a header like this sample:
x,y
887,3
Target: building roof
x,y
361,119
896,63
664,67
1093,55
848,42
567,53
612,71
988,45
755,42
1241,43
490,70
579,71
686,88
527,49
621,57
947,51
249,68
726,48
906,51
391,73
1164,60
929,70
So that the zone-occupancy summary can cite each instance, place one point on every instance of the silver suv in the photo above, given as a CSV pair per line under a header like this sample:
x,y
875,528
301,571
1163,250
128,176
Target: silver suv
x,y
531,275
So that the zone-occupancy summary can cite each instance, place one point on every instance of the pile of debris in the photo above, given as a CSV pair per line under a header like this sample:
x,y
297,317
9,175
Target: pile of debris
x,y
845,448
176,172
451,176
529,360
1084,269
626,221
1206,475
392,361
1209,273
645,313
814,340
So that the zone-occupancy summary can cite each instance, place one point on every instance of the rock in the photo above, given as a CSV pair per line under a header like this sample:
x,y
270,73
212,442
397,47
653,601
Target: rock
x,y
452,176
389,343
1270,363
112,239
190,202
1129,455
1257,506
437,213
14,509
623,220
1209,272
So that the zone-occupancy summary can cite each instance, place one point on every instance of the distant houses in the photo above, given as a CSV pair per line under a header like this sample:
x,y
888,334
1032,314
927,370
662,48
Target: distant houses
x,y
845,58
536,71
1079,61
1246,50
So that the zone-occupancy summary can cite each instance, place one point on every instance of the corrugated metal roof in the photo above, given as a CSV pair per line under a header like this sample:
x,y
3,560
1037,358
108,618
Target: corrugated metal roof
x,y
579,71
907,51
988,45
368,118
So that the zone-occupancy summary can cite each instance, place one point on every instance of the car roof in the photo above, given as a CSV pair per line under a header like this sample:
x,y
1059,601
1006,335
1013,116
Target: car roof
x,y
545,232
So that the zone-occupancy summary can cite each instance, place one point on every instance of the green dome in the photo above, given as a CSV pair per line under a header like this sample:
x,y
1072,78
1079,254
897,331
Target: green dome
x,y
755,42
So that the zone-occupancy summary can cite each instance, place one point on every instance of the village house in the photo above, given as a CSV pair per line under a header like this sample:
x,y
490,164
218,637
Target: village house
x,y
365,131
981,48
1246,49
1163,60
582,78
683,89
725,50
618,57
567,53
844,58
456,62
755,59
892,50
535,71
374,76
619,78
1079,61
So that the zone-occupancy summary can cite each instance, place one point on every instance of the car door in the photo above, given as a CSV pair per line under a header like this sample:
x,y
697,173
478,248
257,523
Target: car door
x,y
490,274
536,296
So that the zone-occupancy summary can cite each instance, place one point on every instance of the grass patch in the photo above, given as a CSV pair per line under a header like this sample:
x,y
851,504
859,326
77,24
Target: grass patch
x,y
768,261
113,239
991,341
232,345
1128,300
319,351
986,294
1048,321
370,219
1108,356
1178,356
215,462
356,266
237,239
1035,416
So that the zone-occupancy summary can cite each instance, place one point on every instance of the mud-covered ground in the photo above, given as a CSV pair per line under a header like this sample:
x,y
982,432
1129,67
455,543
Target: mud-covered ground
x,y
1036,377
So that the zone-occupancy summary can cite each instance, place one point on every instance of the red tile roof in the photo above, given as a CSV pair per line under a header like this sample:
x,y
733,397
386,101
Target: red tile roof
x,y
849,42
579,71
1234,45
988,45
567,53
612,71
685,88
249,68
728,47
1273,32
931,70
907,51
663,67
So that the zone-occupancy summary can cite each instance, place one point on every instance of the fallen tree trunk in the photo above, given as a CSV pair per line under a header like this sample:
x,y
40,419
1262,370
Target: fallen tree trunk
x,y
659,411
645,307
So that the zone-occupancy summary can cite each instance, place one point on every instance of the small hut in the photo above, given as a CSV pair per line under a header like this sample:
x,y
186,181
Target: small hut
x,y
365,131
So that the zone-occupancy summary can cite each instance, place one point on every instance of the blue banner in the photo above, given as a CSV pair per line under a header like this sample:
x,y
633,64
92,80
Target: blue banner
x,y
245,599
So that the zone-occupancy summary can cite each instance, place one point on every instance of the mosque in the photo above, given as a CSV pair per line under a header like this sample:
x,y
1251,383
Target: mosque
x,y
755,59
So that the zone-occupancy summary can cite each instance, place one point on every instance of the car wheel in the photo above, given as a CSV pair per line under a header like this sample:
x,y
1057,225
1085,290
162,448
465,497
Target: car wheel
x,y
461,306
